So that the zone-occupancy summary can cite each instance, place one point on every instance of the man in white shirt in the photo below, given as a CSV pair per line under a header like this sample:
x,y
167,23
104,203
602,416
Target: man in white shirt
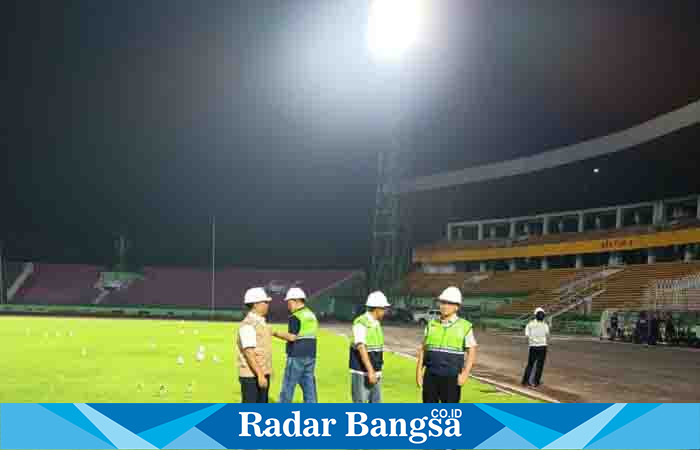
x,y
255,348
367,351
537,332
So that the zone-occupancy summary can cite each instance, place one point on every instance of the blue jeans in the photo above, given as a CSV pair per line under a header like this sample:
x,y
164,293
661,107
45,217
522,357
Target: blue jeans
x,y
299,370
363,392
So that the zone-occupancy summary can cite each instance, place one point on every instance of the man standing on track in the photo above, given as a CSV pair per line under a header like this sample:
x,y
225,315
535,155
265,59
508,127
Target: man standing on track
x,y
537,332
448,353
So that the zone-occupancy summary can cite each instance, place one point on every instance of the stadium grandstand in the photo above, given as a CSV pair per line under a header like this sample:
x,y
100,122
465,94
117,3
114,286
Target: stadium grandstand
x,y
173,290
583,229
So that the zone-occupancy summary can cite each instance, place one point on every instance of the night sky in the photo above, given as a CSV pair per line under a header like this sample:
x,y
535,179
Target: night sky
x,y
148,118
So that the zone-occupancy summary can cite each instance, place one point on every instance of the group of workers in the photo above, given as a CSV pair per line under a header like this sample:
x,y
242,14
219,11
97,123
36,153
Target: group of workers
x,y
444,359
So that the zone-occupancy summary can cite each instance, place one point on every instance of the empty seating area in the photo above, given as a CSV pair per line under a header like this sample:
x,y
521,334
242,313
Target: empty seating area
x,y
70,284
526,281
191,287
622,290
518,282
625,289
60,284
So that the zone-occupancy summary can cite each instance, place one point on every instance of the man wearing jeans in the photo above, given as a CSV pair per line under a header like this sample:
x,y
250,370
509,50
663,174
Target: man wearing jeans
x,y
301,348
367,351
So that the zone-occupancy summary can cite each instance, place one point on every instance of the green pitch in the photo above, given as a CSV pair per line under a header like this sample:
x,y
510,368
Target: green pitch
x,y
140,361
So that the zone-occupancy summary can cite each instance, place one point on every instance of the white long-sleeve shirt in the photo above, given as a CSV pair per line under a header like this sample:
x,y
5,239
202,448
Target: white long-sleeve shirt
x,y
537,333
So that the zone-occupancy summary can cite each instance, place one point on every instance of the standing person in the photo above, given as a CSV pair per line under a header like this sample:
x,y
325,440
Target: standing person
x,y
255,348
448,353
301,348
537,332
613,326
367,351
653,329
670,332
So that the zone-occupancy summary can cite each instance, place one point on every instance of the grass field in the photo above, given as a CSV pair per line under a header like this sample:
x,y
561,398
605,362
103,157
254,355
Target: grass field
x,y
135,361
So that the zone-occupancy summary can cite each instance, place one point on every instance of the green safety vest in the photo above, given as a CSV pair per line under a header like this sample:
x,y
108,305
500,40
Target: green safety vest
x,y
444,346
374,342
375,334
308,321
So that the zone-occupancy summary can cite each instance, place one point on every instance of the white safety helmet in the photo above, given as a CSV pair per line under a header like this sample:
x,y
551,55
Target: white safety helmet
x,y
451,295
295,293
377,300
539,310
256,295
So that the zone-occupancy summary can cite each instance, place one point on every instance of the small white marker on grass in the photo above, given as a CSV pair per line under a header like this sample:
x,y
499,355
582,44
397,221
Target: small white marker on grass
x,y
180,360
83,352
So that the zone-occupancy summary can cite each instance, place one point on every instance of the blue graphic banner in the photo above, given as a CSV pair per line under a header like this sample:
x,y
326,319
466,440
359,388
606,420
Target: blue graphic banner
x,y
349,426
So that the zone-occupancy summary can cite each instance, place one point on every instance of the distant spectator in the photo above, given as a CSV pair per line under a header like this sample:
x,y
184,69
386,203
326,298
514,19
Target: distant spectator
x,y
641,332
670,334
613,326
653,329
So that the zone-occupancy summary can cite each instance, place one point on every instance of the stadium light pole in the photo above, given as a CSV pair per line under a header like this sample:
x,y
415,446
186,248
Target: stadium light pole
x,y
213,263
394,28
3,292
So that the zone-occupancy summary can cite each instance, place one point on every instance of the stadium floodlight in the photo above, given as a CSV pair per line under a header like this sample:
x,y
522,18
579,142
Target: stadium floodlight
x,y
394,27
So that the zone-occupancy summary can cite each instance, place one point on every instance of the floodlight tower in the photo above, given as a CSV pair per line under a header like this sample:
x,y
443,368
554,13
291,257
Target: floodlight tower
x,y
394,27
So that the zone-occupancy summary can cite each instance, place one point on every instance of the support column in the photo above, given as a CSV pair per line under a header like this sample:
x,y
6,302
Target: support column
x,y
511,231
580,222
579,261
698,210
651,256
511,265
449,232
618,218
545,263
688,255
612,259
545,225
480,232
482,267
659,212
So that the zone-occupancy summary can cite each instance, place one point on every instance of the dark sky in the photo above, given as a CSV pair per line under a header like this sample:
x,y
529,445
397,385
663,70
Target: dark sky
x,y
150,117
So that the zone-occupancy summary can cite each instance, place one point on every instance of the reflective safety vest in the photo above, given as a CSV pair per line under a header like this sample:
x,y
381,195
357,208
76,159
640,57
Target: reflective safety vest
x,y
374,342
444,347
308,321
305,344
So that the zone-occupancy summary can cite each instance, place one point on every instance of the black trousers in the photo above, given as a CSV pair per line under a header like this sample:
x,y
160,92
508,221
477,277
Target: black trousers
x,y
536,356
441,389
251,392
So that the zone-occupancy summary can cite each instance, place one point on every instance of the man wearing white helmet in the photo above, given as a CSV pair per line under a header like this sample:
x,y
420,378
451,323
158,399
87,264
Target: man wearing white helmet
x,y
301,348
537,332
255,348
448,352
367,351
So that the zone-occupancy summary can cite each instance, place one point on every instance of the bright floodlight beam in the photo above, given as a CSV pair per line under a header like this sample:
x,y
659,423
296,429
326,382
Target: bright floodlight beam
x,y
394,27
